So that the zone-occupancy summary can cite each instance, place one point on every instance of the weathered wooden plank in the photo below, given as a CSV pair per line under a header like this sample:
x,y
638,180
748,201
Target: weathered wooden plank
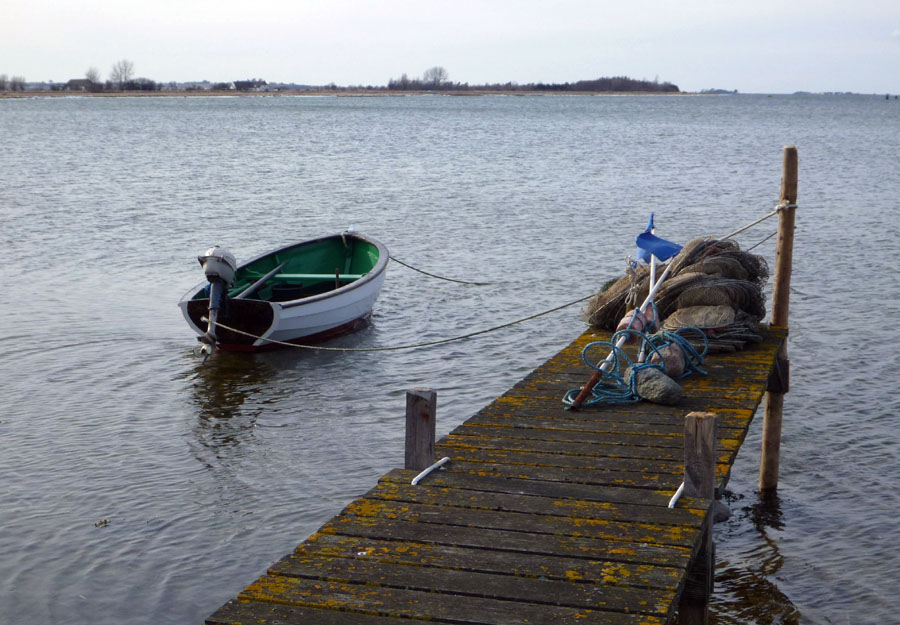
x,y
582,509
745,377
772,338
629,466
723,393
478,534
667,482
417,604
754,361
688,402
471,583
644,439
247,611
728,442
648,437
586,422
555,490
638,414
634,412
485,560
718,377
570,448
609,450
378,512
756,357
527,457
715,370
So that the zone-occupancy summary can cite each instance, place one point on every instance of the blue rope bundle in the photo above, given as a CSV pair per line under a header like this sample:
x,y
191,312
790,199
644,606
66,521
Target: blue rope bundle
x,y
613,387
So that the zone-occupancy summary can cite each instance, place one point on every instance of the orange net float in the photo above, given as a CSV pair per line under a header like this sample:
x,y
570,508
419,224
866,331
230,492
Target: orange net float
x,y
671,357
638,321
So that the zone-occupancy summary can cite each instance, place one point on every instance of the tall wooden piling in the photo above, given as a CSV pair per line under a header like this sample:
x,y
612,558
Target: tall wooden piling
x,y
421,408
781,287
700,432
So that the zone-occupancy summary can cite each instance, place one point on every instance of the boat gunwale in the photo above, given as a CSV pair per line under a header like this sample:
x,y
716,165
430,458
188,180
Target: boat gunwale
x,y
378,269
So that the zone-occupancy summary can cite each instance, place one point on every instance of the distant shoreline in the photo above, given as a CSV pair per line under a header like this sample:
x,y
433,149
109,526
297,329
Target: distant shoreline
x,y
386,93
316,92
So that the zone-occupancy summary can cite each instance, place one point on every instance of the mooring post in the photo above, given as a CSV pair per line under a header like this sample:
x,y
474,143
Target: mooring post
x,y
699,481
421,408
781,287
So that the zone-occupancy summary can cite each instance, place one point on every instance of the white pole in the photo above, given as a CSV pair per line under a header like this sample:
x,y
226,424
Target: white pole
x,y
621,341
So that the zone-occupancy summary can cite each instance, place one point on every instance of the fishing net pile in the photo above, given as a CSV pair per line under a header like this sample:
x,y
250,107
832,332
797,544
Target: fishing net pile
x,y
712,285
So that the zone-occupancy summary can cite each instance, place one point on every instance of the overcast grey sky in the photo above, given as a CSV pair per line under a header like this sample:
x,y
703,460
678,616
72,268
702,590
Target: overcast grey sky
x,y
753,46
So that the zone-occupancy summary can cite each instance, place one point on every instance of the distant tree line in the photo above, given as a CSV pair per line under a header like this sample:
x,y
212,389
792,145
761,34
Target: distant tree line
x,y
251,84
436,78
16,83
614,84
121,78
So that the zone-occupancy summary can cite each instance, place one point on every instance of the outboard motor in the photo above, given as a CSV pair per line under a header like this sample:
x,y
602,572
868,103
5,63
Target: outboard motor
x,y
219,266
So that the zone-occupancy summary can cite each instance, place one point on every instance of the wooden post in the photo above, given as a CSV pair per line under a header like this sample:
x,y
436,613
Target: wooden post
x,y
699,481
700,455
781,287
421,408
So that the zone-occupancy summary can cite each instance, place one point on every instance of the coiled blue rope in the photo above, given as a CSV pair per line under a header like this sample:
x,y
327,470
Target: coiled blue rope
x,y
692,358
613,387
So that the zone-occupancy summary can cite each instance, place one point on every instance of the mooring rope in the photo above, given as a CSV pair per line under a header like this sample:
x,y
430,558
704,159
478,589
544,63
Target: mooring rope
x,y
781,206
431,275
688,357
402,347
756,245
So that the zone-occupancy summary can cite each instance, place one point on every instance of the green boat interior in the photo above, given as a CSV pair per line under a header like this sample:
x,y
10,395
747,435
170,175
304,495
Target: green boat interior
x,y
304,270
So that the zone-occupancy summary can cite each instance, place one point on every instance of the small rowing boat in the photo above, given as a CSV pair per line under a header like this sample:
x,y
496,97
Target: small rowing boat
x,y
302,293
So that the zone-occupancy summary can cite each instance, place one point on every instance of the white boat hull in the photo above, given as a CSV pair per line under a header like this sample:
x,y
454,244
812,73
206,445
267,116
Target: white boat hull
x,y
265,324
296,320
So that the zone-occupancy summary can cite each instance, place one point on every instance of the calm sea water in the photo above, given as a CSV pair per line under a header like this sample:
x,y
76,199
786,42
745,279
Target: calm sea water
x,y
138,485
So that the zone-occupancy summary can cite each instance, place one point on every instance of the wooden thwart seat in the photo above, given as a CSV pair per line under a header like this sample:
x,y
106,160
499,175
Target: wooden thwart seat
x,y
315,277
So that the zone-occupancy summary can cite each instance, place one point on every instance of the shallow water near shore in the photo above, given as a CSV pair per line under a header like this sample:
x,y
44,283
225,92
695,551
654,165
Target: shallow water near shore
x,y
141,485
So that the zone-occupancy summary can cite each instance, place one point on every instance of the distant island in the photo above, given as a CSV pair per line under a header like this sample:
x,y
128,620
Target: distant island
x,y
436,79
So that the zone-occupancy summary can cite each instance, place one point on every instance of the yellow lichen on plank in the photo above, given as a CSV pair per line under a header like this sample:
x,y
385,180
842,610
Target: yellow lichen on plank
x,y
526,434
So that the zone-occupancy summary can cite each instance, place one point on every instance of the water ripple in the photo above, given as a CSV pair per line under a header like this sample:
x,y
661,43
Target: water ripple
x,y
206,474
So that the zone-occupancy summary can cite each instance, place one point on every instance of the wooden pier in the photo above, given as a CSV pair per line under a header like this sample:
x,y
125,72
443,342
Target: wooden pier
x,y
543,515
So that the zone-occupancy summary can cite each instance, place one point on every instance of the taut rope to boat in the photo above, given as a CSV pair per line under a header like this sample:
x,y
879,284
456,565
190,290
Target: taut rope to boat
x,y
432,275
413,345
668,339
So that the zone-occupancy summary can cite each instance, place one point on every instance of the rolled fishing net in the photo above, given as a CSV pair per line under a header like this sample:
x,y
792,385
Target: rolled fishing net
x,y
712,285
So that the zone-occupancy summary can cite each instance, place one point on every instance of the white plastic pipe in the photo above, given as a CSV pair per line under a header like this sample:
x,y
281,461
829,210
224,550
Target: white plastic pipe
x,y
436,465
676,496
621,341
